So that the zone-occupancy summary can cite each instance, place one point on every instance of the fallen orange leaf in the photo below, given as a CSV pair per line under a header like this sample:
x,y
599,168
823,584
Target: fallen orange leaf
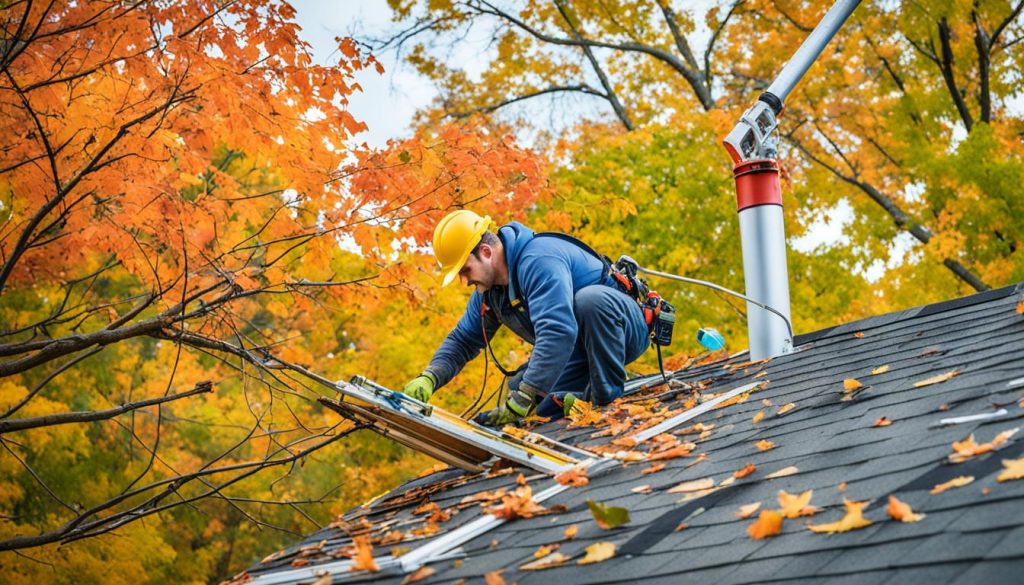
x,y
570,532
681,527
767,403
363,558
682,450
653,468
747,470
597,552
859,334
901,511
882,422
853,520
785,408
642,489
953,483
624,442
1014,469
841,487
518,504
964,450
1020,307
574,477
545,550
414,577
494,578
880,370
783,472
851,384
794,506
768,523
759,416
936,379
629,456
764,444
748,510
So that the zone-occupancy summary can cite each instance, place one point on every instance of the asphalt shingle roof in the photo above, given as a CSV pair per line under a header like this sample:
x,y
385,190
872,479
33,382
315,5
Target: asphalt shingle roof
x,y
971,534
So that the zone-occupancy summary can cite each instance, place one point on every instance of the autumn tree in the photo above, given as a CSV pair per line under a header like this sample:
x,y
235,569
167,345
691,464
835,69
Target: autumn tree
x,y
183,232
654,65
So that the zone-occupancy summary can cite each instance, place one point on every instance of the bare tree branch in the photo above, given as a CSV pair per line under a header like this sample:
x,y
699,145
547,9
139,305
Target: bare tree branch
x,y
609,91
63,418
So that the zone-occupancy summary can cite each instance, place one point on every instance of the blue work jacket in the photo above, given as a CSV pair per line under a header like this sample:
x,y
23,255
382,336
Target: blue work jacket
x,y
537,305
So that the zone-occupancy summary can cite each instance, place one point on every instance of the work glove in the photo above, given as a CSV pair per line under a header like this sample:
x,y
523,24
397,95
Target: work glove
x,y
516,379
421,387
520,404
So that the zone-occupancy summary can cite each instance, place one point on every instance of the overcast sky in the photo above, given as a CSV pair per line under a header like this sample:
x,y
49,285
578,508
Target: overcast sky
x,y
388,101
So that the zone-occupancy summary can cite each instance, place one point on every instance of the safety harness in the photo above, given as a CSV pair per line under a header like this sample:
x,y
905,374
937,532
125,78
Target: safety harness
x,y
659,314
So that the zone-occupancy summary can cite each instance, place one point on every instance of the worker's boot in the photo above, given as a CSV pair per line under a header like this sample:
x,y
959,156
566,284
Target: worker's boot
x,y
519,405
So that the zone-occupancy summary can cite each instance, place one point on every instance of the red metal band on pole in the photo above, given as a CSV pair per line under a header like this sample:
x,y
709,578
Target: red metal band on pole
x,y
757,183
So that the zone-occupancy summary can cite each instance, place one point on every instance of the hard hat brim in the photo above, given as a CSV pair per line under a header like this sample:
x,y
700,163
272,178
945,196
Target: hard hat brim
x,y
449,273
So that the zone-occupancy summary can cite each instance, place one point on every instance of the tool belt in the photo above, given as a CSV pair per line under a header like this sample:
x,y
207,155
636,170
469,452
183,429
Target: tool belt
x,y
659,314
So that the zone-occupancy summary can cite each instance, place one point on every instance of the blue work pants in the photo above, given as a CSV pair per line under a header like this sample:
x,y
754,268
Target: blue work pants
x,y
612,333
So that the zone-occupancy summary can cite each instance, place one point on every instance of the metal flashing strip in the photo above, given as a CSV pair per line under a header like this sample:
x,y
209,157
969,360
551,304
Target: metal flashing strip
x,y
671,423
445,436
389,565
957,420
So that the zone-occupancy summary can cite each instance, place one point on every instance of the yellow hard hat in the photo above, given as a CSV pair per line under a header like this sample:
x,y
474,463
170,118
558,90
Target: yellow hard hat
x,y
454,238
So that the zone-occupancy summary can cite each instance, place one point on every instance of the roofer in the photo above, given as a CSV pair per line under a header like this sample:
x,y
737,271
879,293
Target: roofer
x,y
553,291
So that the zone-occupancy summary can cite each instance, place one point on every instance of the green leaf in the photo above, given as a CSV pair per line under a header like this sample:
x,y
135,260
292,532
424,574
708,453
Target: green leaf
x,y
608,516
404,156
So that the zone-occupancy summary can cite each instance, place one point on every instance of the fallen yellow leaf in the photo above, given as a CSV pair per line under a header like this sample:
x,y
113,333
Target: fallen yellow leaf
x,y
1014,469
783,472
853,520
880,370
759,416
571,531
767,403
901,511
953,483
748,510
859,334
785,408
936,379
768,523
851,384
794,506
747,470
642,489
882,422
693,486
764,444
597,552
552,560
